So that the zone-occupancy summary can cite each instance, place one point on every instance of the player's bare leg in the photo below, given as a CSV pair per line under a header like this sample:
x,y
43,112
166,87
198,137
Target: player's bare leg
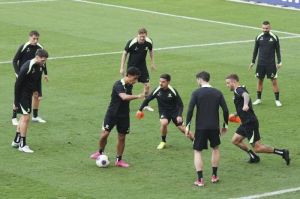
x,y
238,141
261,148
36,99
163,131
190,134
102,143
259,89
215,159
23,126
120,150
146,93
276,91
198,163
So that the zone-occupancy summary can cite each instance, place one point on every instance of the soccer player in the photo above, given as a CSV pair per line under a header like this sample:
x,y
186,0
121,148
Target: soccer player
x,y
27,81
118,114
170,107
207,100
137,49
24,53
249,127
266,45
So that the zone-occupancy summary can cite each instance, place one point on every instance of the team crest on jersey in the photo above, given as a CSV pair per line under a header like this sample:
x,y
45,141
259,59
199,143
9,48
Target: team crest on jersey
x,y
261,38
169,95
136,48
28,50
270,40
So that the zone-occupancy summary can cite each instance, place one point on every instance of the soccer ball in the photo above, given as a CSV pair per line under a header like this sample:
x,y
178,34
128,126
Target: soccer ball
x,y
102,161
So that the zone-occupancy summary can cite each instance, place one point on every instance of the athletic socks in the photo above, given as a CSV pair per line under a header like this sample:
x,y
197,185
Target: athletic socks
x,y
22,141
163,138
214,171
278,151
252,154
17,137
14,114
35,112
200,175
118,158
259,94
101,151
276,95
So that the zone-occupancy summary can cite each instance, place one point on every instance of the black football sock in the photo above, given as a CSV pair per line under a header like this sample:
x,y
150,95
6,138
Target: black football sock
x,y
276,95
259,94
35,112
163,138
17,137
278,151
214,171
14,114
101,151
118,158
22,141
252,154
200,175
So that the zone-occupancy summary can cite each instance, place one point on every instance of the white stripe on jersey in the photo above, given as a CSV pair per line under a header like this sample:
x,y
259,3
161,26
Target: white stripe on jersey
x,y
172,89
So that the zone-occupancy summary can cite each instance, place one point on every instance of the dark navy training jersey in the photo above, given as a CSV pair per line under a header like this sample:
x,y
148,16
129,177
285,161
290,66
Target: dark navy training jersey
x,y
266,44
117,106
24,53
246,116
207,100
138,52
168,100
28,79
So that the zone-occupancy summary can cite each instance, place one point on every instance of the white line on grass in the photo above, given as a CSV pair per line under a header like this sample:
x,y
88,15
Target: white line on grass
x,y
265,4
156,49
179,16
32,1
271,193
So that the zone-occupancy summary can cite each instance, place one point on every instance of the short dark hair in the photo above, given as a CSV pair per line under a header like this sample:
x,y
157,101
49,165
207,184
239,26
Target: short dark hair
x,y
203,75
133,71
34,32
166,77
266,23
42,53
142,31
234,77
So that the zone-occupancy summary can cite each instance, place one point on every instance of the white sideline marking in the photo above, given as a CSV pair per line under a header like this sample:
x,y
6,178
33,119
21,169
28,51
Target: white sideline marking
x,y
32,1
180,16
271,193
265,4
156,49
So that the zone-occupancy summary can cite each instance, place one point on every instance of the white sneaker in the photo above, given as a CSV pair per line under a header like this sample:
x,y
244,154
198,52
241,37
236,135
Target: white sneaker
x,y
25,149
148,108
15,144
15,121
257,101
278,103
38,119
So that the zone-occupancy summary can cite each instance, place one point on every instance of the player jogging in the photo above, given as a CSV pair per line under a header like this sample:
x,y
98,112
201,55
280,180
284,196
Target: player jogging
x,y
249,127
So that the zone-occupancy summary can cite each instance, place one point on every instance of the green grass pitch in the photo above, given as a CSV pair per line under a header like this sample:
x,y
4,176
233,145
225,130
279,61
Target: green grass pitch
x,y
78,92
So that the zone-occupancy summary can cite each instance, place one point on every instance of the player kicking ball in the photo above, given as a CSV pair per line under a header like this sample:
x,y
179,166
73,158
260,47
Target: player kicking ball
x,y
249,127
118,114
170,107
